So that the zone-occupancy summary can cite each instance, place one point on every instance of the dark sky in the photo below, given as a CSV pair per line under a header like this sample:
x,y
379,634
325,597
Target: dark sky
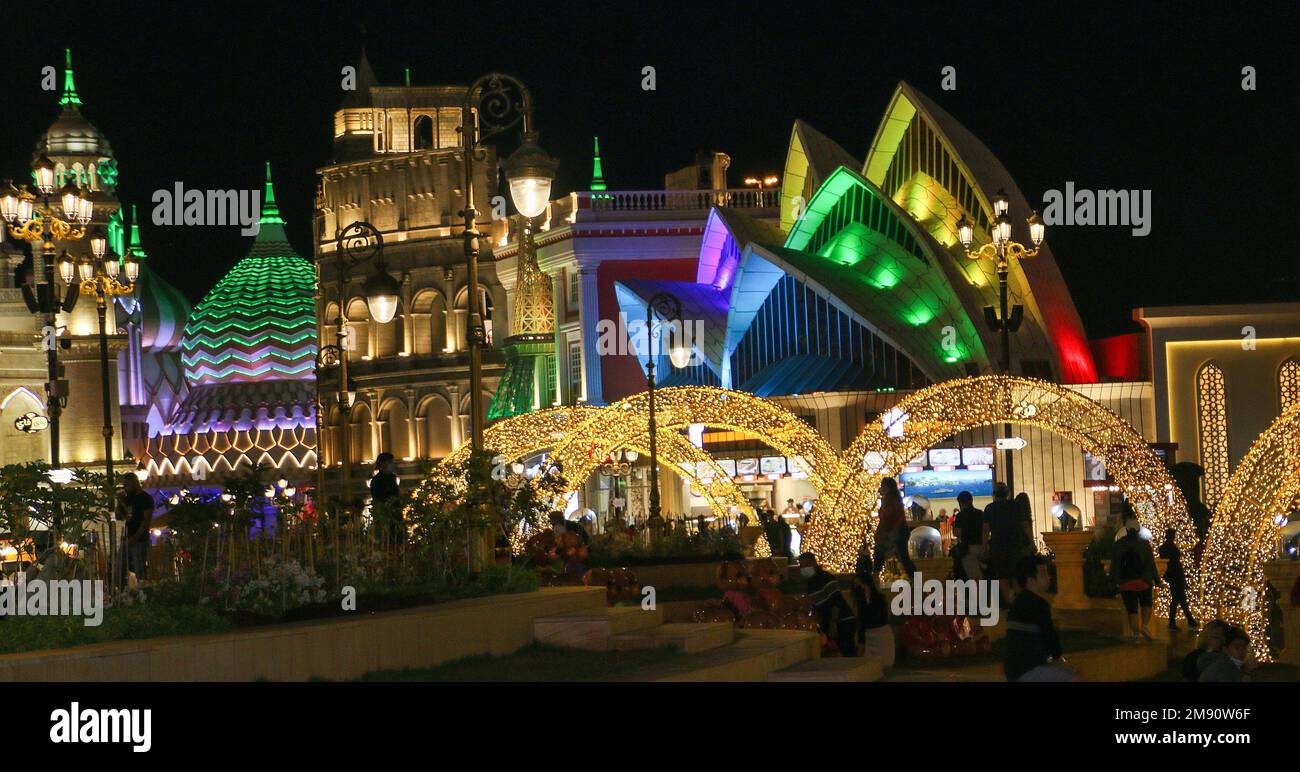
x,y
1104,95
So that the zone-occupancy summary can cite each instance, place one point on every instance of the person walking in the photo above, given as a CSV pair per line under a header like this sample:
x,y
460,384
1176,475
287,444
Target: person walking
x,y
968,524
835,617
135,506
891,529
1008,537
1133,569
1177,581
1033,645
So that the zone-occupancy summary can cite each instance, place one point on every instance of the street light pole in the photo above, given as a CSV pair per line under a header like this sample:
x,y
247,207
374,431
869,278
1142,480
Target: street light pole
x,y
99,280
357,244
668,308
18,207
1002,250
493,104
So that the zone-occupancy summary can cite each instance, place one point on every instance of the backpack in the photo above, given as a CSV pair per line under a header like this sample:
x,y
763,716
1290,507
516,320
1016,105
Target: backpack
x,y
1130,564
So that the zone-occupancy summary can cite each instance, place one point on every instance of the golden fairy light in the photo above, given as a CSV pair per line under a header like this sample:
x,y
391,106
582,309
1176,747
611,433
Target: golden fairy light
x,y
1246,527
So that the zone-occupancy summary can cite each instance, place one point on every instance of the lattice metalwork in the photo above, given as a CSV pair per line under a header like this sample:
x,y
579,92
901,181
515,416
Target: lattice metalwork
x,y
1288,385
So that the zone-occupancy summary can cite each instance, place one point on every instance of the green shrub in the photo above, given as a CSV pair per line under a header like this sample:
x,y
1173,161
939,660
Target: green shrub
x,y
146,620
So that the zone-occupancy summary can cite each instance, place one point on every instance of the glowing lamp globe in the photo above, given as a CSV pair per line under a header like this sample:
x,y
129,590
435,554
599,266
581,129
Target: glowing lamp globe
x,y
679,354
1037,228
71,196
9,203
531,172
382,291
44,174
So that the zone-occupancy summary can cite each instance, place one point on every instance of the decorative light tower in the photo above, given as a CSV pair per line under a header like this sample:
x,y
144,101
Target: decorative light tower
x,y
1002,250
27,222
493,104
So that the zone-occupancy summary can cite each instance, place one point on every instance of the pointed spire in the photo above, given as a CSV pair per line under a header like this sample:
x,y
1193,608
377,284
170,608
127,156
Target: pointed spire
x,y
597,176
134,248
69,86
270,211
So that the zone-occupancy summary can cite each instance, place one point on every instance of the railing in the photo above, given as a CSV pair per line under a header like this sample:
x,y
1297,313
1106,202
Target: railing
x,y
676,200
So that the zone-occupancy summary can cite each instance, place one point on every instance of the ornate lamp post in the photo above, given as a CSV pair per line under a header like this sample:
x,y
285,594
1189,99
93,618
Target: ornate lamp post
x,y
667,307
493,104
27,222
359,243
1002,250
98,275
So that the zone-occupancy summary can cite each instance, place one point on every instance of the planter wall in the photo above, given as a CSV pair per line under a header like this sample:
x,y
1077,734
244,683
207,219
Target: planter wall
x,y
333,649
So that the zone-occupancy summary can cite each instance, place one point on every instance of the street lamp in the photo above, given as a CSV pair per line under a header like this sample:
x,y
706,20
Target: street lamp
x,y
357,244
98,273
493,104
1002,250
668,308
28,221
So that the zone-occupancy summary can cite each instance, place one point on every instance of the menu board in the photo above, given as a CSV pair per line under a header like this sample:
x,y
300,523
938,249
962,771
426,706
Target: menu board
x,y
977,456
945,456
747,466
772,465
728,465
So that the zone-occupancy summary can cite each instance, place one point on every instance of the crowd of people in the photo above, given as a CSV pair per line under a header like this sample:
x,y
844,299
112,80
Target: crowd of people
x,y
997,542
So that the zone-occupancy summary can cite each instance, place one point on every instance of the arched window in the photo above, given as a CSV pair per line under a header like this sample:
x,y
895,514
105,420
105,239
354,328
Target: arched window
x,y
485,307
395,436
436,415
428,322
1212,429
358,342
423,132
1288,384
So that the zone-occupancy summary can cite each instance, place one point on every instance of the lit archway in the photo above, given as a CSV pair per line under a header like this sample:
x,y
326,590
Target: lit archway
x,y
1243,534
931,415
527,434
679,407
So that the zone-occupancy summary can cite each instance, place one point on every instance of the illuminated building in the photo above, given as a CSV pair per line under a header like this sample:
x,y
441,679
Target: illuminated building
x,y
247,353
397,164
81,152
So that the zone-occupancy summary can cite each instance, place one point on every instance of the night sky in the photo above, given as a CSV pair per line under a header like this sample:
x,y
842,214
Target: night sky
x,y
1105,96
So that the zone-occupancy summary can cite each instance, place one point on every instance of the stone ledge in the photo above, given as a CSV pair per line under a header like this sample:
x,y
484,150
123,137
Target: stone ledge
x,y
337,649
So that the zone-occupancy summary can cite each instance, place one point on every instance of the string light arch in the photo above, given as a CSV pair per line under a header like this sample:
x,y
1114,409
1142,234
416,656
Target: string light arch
x,y
528,434
935,413
1246,526
1212,429
1288,384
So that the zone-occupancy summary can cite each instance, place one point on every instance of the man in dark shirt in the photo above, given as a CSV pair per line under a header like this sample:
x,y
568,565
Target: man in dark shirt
x,y
969,525
384,499
136,508
1033,647
834,615
1008,536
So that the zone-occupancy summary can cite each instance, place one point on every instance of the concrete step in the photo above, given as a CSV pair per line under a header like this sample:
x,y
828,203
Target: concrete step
x,y
687,637
591,629
831,670
753,655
